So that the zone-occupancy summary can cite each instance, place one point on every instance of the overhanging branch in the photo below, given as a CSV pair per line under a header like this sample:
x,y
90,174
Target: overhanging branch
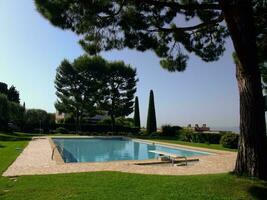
x,y
179,6
189,28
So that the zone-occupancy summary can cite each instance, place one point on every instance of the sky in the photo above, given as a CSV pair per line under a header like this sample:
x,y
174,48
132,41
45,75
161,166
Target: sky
x,y
31,49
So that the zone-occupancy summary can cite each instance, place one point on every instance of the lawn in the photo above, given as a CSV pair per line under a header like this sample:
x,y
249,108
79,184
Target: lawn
x,y
115,185
204,145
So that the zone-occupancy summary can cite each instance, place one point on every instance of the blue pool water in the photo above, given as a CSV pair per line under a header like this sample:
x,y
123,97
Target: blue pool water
x,y
110,149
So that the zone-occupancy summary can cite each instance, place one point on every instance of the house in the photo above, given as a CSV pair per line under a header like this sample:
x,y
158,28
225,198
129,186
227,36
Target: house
x,y
198,128
98,117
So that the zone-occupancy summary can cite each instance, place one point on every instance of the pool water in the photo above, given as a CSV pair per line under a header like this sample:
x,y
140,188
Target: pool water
x,y
111,149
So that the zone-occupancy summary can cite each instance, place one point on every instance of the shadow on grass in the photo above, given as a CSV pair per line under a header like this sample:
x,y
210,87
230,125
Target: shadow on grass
x,y
15,136
258,192
2,146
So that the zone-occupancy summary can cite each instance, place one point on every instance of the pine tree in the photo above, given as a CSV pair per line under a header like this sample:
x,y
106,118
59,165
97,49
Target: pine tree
x,y
136,113
153,25
151,116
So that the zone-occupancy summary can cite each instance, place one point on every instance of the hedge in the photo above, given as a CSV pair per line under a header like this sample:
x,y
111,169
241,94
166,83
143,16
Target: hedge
x,y
96,128
170,131
200,137
229,140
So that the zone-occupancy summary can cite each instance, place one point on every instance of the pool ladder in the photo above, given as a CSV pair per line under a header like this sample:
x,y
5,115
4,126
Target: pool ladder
x,y
60,149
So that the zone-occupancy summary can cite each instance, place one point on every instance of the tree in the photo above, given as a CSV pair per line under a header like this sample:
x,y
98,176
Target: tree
x,y
36,119
151,115
77,86
13,95
136,113
4,115
118,89
16,114
3,88
161,26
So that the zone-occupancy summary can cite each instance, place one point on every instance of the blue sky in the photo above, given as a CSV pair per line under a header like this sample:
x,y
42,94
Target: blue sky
x,y
31,49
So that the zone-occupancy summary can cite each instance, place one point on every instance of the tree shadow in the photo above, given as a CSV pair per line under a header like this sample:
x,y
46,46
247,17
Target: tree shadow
x,y
2,146
7,136
258,192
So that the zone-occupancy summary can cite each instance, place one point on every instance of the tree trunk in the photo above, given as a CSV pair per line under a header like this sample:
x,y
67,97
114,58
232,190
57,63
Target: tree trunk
x,y
113,123
77,121
252,151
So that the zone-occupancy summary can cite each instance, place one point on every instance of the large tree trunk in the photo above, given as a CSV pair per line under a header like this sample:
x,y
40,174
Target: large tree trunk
x,y
252,151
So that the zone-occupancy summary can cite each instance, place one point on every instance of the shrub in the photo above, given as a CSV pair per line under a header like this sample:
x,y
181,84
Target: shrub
x,y
97,128
62,130
4,113
154,135
199,137
170,131
229,140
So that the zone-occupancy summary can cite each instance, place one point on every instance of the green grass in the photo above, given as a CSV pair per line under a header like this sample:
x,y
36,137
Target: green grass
x,y
204,145
115,185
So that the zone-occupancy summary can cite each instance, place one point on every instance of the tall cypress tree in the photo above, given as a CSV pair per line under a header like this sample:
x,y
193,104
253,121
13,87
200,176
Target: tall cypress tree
x,y
151,116
136,113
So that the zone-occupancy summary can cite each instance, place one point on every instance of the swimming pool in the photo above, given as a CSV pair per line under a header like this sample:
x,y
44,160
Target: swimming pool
x,y
111,149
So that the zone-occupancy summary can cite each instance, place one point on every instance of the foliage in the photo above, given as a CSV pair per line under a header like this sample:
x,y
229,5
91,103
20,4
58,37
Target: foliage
x,y
118,90
12,114
136,113
229,140
101,129
200,137
77,85
16,114
11,93
62,130
3,88
37,120
170,131
260,10
127,122
151,115
91,84
145,25
4,115
120,121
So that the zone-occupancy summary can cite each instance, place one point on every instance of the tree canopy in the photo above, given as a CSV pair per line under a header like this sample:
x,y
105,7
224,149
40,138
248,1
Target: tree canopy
x,y
11,93
142,25
91,85
116,95
77,86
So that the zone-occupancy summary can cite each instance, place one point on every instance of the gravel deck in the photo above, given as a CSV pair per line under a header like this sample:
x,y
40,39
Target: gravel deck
x,y
36,159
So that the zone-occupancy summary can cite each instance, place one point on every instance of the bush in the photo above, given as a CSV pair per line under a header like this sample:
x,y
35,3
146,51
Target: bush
x,y
170,131
62,130
154,135
229,140
4,113
97,128
199,137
